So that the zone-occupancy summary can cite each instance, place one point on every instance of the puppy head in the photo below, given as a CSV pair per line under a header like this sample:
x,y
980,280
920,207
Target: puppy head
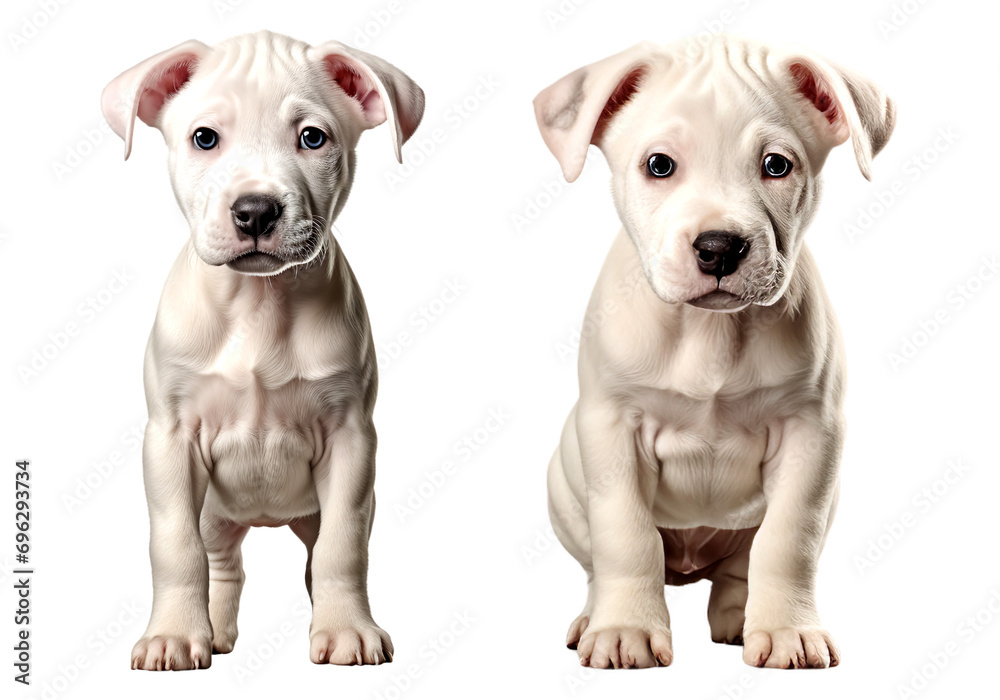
x,y
261,131
715,154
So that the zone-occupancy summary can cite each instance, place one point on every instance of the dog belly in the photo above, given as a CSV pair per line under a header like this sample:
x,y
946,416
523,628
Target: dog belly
x,y
709,482
262,477
691,554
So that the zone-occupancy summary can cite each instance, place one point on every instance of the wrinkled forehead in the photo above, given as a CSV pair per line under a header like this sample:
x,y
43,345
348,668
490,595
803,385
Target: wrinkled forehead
x,y
250,75
723,90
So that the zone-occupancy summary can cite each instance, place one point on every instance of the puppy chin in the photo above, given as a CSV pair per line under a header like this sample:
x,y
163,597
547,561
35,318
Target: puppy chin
x,y
258,264
699,292
720,302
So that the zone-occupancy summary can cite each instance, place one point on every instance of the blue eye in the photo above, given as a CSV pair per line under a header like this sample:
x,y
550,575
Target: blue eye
x,y
660,165
776,166
205,139
311,138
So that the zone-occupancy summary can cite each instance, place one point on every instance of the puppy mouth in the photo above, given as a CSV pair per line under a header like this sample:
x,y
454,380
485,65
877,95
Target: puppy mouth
x,y
256,262
719,300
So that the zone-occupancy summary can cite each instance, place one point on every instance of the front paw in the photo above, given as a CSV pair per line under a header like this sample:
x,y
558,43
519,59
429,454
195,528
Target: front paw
x,y
626,646
790,647
350,644
172,652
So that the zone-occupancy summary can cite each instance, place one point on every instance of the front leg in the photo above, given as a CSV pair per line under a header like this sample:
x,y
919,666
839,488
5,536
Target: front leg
x,y
342,629
629,625
179,634
782,628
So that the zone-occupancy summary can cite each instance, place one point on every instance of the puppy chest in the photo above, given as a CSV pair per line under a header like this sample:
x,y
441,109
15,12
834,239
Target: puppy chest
x,y
264,472
257,447
709,473
261,442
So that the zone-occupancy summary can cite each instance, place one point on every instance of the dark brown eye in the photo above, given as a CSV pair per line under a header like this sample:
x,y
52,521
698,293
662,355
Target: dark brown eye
x,y
660,165
776,166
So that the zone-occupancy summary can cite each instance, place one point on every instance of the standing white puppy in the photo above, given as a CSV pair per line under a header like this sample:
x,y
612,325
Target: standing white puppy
x,y
260,372
707,438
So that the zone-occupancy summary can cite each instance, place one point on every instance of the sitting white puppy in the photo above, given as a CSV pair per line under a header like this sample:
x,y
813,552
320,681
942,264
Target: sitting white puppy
x,y
260,372
707,437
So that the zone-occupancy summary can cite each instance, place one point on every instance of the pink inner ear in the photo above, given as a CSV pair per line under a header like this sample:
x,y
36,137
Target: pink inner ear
x,y
815,91
160,87
356,86
622,94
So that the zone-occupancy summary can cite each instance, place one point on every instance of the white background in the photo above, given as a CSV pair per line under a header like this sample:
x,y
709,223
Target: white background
x,y
480,545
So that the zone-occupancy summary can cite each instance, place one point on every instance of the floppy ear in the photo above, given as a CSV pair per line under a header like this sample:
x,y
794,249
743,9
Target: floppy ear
x,y
839,104
573,112
143,89
381,91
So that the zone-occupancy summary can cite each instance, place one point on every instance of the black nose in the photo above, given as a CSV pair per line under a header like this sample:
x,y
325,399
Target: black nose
x,y
256,214
719,253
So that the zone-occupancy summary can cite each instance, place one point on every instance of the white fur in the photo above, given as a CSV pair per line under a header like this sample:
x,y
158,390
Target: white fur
x,y
699,432
260,386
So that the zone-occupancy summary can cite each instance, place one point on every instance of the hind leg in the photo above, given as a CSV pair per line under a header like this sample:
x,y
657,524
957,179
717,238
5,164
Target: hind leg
x,y
307,530
570,525
728,600
569,521
727,605
225,574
